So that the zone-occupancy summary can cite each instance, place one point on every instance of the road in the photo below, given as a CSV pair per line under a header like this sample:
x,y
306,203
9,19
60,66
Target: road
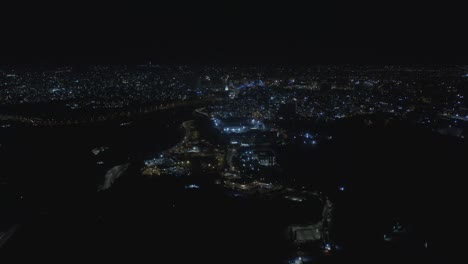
x,y
188,126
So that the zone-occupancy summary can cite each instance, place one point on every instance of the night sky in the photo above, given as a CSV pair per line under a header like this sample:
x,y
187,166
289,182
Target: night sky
x,y
233,32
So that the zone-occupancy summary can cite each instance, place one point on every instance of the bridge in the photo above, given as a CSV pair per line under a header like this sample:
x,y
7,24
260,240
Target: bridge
x,y
32,120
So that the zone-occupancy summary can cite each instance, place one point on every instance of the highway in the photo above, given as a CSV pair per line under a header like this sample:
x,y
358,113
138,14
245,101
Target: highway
x,y
188,126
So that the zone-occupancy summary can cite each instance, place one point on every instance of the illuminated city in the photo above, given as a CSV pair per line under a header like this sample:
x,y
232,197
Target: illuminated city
x,y
224,138
232,132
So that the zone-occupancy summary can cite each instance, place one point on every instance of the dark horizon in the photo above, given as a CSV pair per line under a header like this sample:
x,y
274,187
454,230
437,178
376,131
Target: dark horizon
x,y
234,33
231,52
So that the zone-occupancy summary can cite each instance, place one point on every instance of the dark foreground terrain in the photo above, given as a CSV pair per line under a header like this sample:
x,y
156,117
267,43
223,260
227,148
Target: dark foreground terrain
x,y
392,173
